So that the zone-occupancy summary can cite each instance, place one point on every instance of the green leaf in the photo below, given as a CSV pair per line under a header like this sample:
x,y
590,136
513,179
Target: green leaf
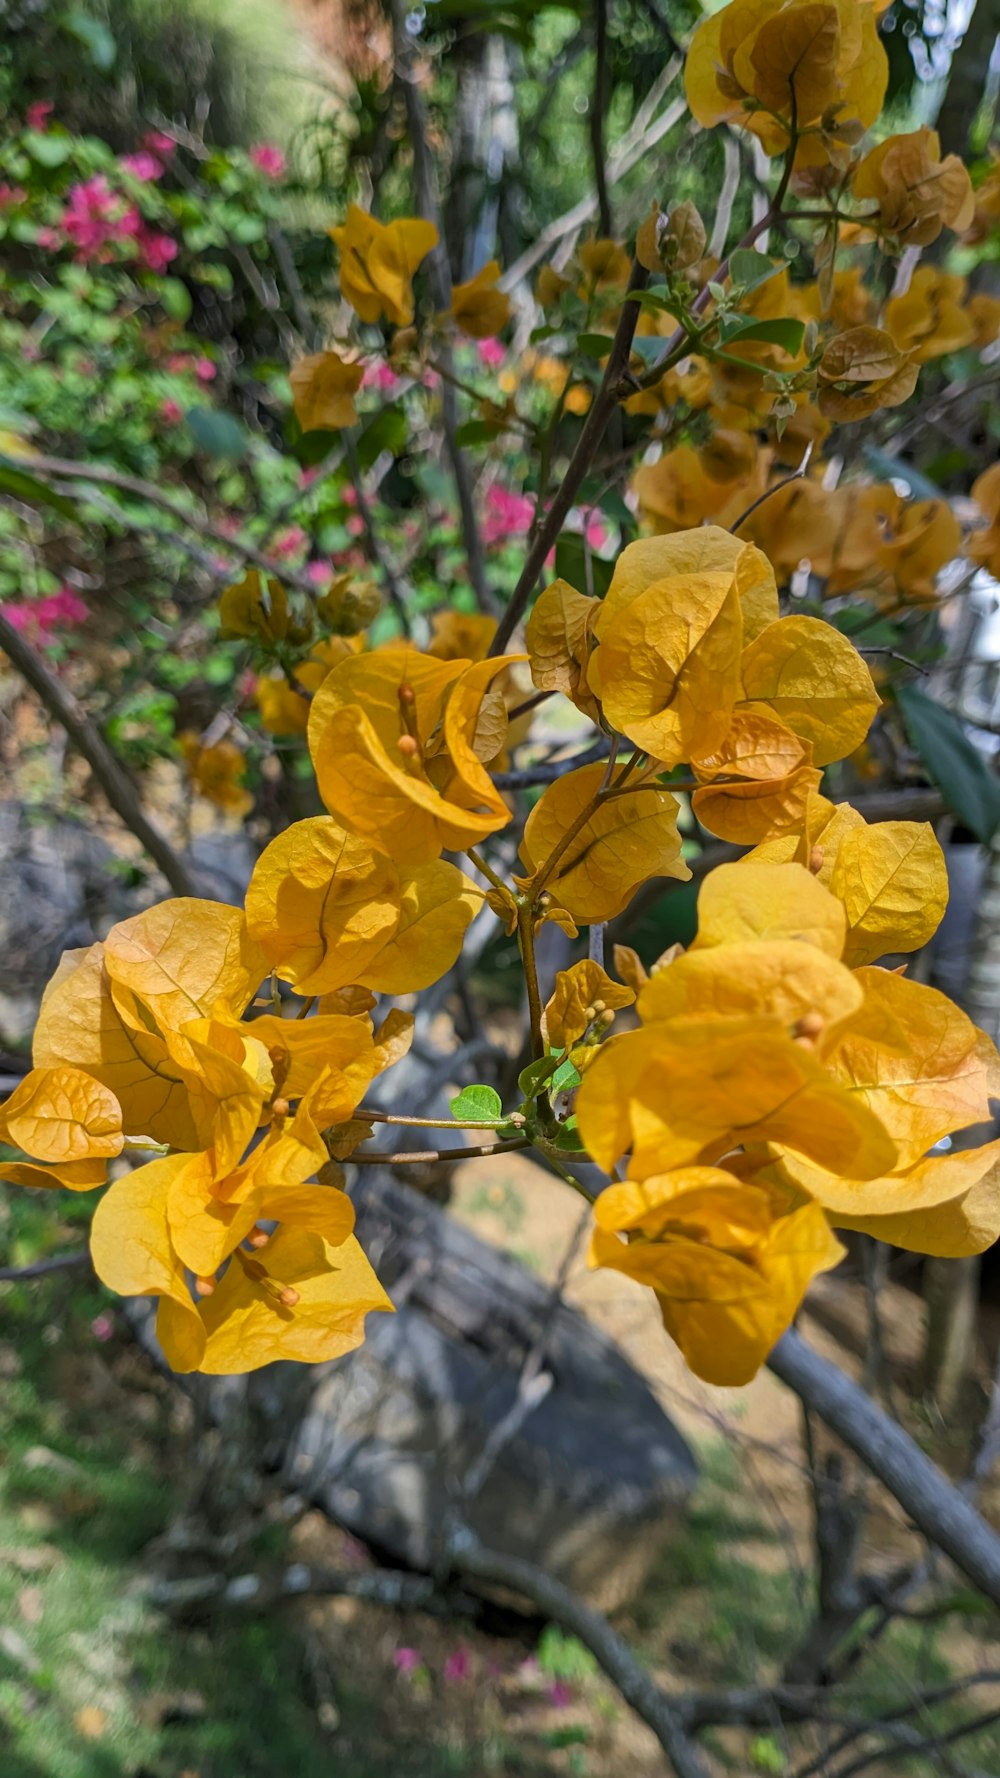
x,y
784,332
566,1077
176,299
595,345
532,1079
479,1104
50,148
959,770
97,40
216,433
748,269
388,431
571,565
475,432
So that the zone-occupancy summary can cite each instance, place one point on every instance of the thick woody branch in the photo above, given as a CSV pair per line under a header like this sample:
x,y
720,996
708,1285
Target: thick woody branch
x,y
601,409
106,767
934,1504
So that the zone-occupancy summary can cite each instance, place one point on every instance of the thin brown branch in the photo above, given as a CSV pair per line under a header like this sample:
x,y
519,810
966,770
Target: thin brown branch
x,y
44,1268
598,108
601,409
108,770
417,1156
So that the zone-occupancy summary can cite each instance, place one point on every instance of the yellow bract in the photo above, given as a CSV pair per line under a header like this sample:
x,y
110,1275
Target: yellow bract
x,y
814,681
62,1115
321,905
774,779
377,263
323,389
559,639
478,307
394,740
917,192
729,1270
581,994
618,843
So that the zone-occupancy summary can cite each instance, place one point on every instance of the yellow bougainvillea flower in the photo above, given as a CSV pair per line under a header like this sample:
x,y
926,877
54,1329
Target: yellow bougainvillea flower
x,y
396,739
814,681
377,263
692,1090
795,524
217,773
321,905
624,842
917,192
329,912
460,635
947,1205
65,1122
864,370
915,1060
889,877
185,958
559,639
478,307
805,61
323,389
758,899
729,1270
257,606
806,990
984,546
582,994
927,536
283,710
301,1295
931,319
756,782
669,637
677,491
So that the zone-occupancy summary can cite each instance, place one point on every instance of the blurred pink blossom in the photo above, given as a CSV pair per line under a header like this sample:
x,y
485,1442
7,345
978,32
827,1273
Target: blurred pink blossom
x,y
102,1327
10,195
172,412
407,1660
143,166
37,115
268,159
560,1694
381,377
595,529
307,477
458,1666
507,514
157,250
205,370
63,607
491,354
247,683
355,526
158,143
288,543
319,572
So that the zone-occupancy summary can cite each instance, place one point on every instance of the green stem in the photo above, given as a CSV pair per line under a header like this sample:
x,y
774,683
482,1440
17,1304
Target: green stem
x,y
526,943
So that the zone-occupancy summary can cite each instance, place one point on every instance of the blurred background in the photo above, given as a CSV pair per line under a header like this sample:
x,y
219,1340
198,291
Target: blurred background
x,y
168,173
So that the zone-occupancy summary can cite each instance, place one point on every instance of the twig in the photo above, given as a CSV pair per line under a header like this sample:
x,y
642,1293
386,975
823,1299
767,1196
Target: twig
x,y
41,1268
610,1650
63,469
440,274
465,1153
547,770
394,587
598,107
786,482
600,411
106,767
934,1503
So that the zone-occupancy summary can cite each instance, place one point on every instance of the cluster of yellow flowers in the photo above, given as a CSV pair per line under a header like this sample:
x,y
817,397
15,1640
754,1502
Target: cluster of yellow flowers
x,y
779,1084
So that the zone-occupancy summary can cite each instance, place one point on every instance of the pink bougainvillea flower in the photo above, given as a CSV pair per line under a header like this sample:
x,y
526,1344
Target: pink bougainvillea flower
x,y
491,353
407,1660
381,377
458,1667
102,1327
63,607
171,411
37,115
156,250
560,1694
158,143
205,370
143,166
507,514
268,159
319,572
11,195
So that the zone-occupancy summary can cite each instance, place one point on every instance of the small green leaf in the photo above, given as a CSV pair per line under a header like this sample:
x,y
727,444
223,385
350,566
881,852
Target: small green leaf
x,y
479,1104
50,148
476,432
532,1079
959,770
783,331
748,268
566,1077
22,486
595,345
216,433
176,299
97,40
